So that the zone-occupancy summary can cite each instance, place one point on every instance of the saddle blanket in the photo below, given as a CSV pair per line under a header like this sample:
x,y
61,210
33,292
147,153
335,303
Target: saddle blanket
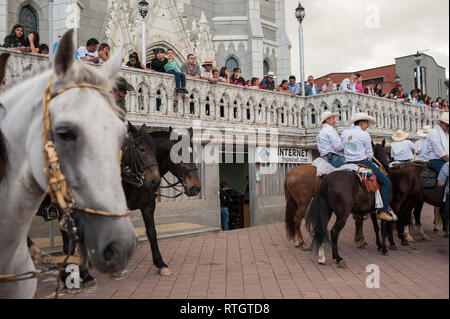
x,y
325,168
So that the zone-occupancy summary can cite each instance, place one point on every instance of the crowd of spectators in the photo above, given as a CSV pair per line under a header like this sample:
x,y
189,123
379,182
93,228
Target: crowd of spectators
x,y
164,61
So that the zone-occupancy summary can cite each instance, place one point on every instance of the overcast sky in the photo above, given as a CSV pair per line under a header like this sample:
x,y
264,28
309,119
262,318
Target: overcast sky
x,y
350,35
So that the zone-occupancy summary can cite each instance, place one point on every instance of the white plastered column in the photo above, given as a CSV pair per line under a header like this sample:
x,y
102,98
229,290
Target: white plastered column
x,y
3,20
256,39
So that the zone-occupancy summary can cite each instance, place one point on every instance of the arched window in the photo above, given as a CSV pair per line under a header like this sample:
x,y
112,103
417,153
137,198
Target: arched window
x,y
29,19
266,66
231,64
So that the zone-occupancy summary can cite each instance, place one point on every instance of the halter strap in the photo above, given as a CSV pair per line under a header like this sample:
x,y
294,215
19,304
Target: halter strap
x,y
57,185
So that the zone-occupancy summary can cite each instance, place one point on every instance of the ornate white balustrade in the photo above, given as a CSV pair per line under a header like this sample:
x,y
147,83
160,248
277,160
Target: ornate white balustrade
x,y
223,105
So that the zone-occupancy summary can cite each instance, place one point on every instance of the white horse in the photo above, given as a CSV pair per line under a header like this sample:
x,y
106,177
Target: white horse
x,y
88,136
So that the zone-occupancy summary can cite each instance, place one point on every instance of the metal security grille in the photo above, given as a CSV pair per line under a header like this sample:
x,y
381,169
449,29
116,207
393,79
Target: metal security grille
x,y
273,184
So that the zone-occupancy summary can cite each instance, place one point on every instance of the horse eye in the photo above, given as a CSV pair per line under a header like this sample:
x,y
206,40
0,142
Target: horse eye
x,y
66,134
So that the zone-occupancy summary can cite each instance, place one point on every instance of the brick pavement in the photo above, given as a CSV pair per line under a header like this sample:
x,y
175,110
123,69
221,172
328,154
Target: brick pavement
x,y
259,262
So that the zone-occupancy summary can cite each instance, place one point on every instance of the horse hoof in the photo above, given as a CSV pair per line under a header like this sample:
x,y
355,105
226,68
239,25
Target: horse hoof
x,y
384,252
341,264
425,237
405,242
306,248
409,239
165,271
90,284
393,247
73,291
116,276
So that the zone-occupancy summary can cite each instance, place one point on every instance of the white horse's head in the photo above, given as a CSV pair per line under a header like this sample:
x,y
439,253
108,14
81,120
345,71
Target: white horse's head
x,y
88,137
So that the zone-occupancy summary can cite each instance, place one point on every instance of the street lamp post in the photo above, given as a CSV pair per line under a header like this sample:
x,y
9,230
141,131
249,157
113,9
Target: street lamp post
x,y
418,60
143,10
50,30
300,15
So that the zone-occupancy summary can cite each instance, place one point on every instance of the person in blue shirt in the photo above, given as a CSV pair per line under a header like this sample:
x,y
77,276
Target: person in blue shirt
x,y
310,87
293,86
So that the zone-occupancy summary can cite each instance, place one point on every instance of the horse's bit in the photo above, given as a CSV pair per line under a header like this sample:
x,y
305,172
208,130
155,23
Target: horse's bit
x,y
180,173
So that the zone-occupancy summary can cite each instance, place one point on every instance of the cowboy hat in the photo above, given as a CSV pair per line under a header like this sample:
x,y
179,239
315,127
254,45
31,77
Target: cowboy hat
x,y
208,61
443,118
362,116
271,74
400,135
424,132
327,115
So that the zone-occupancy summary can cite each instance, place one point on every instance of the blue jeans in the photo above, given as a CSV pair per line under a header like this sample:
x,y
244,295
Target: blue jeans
x,y
385,184
224,216
437,164
180,79
335,160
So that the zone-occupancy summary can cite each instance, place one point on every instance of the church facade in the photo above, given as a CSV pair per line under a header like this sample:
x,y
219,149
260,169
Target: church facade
x,y
249,34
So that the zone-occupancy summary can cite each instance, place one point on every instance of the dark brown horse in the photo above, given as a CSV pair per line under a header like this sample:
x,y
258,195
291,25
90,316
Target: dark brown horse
x,y
301,184
408,193
340,192
3,152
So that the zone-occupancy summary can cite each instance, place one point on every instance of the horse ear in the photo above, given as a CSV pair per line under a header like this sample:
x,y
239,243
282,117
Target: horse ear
x,y
111,68
143,128
132,130
65,54
383,143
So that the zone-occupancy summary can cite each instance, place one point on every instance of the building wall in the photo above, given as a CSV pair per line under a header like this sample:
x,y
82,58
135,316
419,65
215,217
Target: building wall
x,y
435,75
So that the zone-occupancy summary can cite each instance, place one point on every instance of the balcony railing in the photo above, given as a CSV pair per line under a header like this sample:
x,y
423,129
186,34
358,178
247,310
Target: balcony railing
x,y
222,105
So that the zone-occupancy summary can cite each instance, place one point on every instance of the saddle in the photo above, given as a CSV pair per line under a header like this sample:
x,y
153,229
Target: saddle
x,y
369,182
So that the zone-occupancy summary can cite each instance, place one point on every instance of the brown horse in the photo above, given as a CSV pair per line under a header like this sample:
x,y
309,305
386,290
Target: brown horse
x,y
301,184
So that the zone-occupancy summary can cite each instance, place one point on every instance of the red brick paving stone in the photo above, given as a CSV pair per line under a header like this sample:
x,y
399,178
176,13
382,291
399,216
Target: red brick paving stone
x,y
259,263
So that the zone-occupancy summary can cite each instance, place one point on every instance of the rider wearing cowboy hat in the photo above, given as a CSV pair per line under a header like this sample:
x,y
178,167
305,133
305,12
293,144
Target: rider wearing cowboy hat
x,y
402,149
437,143
328,141
420,146
358,150
120,91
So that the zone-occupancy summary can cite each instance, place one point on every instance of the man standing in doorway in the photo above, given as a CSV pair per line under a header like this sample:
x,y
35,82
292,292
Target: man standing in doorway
x,y
225,202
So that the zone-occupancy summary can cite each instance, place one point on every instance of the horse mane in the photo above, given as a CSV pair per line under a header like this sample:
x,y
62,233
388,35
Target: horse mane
x,y
3,153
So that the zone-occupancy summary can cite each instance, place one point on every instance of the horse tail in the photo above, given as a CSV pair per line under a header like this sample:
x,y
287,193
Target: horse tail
x,y
318,216
291,209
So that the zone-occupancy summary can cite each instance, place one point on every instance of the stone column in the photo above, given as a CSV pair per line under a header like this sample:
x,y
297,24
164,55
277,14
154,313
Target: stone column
x,y
66,15
283,51
256,39
3,20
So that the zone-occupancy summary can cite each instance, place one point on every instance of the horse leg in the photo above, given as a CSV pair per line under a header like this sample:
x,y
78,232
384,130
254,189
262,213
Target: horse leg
x,y
35,251
88,281
149,220
335,231
376,228
384,250
390,233
359,234
437,219
322,259
298,229
417,213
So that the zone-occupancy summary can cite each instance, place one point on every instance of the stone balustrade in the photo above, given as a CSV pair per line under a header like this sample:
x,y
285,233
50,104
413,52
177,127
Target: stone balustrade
x,y
223,106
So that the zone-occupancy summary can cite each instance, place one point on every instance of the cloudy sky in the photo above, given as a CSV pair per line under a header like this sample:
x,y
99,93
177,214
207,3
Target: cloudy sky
x,y
349,35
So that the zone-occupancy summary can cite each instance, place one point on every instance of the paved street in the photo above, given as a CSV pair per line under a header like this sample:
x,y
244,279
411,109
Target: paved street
x,y
259,262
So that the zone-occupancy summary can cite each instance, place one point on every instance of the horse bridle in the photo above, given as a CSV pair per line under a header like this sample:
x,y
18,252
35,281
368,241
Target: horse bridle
x,y
180,173
135,175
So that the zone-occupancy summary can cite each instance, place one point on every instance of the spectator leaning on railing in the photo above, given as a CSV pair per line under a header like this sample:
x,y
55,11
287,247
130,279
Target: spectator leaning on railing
x,y
379,90
370,89
237,79
16,39
348,84
171,67
293,86
190,68
329,86
224,75
310,87
206,71
89,52
134,62
268,83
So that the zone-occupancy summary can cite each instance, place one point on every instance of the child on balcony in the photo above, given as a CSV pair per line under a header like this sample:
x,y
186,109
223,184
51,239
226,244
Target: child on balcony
x,y
171,67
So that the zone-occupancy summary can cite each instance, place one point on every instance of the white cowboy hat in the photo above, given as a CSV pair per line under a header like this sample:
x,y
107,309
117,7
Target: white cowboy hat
x,y
400,135
327,115
362,116
443,118
424,132
271,74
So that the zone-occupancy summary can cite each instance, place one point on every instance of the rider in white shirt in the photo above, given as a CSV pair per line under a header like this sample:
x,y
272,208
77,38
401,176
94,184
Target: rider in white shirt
x,y
358,150
402,149
421,147
438,143
328,141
